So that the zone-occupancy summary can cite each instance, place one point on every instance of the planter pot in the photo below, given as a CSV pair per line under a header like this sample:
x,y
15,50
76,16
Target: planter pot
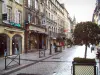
x,y
82,66
84,60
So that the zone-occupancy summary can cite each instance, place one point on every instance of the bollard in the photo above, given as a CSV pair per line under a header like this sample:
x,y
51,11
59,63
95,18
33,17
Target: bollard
x,y
19,59
5,62
50,49
5,54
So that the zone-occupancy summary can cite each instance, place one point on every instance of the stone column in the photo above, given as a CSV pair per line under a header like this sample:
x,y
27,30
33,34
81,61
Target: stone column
x,y
10,45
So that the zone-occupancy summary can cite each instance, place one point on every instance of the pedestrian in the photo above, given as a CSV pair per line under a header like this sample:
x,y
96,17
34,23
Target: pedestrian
x,y
92,48
55,47
5,52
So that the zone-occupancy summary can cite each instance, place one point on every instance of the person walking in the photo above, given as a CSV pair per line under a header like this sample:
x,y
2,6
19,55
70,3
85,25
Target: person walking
x,y
92,48
55,47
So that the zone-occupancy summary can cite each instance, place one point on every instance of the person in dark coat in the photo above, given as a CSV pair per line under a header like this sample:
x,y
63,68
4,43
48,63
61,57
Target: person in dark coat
x,y
55,47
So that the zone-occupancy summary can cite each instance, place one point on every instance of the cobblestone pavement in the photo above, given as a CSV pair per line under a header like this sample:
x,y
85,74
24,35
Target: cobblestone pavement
x,y
55,64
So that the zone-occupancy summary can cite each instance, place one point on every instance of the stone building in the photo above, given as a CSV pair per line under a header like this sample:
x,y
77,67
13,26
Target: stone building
x,y
30,25
55,19
35,33
11,26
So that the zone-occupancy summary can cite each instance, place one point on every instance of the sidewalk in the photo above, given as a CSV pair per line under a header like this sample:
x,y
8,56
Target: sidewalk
x,y
57,62
25,60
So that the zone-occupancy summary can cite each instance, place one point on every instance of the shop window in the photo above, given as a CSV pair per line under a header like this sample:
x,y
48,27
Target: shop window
x,y
16,44
29,18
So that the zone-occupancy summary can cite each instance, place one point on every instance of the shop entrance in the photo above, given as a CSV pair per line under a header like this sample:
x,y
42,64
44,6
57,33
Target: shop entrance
x,y
33,41
4,44
16,44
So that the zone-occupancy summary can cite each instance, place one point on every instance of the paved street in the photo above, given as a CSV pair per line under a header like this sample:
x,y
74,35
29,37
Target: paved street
x,y
55,64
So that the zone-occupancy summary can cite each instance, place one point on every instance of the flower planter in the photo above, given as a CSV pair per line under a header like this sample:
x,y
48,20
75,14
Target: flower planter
x,y
82,66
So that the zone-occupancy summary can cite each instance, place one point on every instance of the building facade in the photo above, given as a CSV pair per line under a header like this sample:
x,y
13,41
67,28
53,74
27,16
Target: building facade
x,y
96,14
11,27
55,19
35,33
30,25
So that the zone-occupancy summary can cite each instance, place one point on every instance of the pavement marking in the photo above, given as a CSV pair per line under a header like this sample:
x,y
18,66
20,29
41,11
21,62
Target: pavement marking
x,y
25,59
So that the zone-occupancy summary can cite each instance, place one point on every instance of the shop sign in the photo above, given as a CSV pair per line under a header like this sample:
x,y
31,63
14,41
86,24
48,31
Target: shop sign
x,y
15,24
36,29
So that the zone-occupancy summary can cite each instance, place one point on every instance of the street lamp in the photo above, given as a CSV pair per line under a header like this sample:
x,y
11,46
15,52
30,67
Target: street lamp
x,y
50,41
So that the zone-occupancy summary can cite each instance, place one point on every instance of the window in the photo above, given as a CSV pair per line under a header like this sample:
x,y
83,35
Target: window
x,y
46,13
52,28
43,21
56,30
36,5
29,18
19,17
52,17
48,4
36,20
29,3
49,15
9,14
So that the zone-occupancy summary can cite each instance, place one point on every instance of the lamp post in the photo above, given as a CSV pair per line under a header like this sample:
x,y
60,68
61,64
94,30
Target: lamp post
x,y
50,42
26,35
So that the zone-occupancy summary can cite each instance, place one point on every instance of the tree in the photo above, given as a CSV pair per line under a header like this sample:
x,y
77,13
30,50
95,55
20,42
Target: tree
x,y
86,33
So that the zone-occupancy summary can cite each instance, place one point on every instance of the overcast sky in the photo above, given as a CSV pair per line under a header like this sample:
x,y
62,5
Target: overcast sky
x,y
82,9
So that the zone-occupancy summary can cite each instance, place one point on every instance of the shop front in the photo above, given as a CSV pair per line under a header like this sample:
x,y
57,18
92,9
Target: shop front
x,y
16,44
11,38
61,40
4,44
36,38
